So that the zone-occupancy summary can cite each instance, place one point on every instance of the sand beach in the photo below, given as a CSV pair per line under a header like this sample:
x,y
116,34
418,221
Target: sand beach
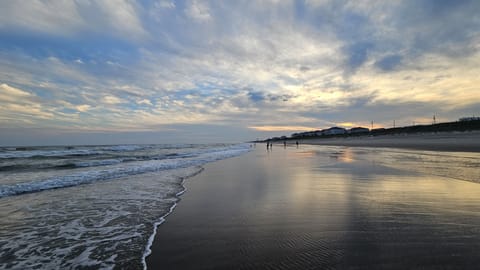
x,y
327,207
468,141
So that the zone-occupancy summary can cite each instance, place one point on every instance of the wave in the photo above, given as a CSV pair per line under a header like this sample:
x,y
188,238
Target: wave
x,y
94,163
67,151
126,148
49,153
132,168
67,163
63,152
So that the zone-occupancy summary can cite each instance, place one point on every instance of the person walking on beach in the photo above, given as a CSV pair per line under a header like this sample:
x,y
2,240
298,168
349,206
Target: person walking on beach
x,y
296,143
284,144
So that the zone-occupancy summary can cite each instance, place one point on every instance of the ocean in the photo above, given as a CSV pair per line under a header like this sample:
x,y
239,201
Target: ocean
x,y
92,207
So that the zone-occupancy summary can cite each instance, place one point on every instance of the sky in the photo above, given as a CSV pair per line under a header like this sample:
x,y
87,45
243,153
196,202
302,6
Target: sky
x,y
107,72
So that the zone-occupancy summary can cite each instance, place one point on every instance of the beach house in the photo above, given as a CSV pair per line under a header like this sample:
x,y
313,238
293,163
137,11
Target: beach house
x,y
357,130
334,131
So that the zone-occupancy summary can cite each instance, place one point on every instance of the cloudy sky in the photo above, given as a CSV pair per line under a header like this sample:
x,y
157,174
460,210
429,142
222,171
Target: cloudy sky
x,y
201,71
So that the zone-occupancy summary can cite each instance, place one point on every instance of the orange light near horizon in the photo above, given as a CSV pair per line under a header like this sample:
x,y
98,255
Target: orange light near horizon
x,y
281,128
347,124
362,124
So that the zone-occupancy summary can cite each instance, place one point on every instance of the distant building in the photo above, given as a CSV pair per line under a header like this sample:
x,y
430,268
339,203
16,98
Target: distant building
x,y
378,129
319,133
334,131
357,130
464,119
303,134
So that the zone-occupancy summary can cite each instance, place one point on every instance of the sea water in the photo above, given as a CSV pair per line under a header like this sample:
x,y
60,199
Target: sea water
x,y
91,206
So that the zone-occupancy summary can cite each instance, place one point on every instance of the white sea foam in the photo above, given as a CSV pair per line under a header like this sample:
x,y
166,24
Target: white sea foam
x,y
124,148
103,162
10,152
100,226
133,168
103,225
49,153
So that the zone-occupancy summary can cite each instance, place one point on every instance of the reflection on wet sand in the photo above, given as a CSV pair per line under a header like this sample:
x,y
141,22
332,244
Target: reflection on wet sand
x,y
329,207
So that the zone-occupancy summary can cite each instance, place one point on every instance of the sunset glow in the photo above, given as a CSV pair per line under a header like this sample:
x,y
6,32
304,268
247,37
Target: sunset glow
x,y
166,70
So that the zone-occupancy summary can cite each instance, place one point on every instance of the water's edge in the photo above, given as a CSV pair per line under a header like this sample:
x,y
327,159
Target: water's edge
x,y
162,219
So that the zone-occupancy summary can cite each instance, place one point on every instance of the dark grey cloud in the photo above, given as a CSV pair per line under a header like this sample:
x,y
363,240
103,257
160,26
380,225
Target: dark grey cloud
x,y
407,29
389,63
357,54
445,26
304,68
256,96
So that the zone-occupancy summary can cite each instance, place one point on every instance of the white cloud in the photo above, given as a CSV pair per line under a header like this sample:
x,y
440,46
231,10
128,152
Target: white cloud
x,y
165,4
122,16
18,105
198,10
9,91
83,108
317,3
30,110
57,17
145,102
112,100
69,18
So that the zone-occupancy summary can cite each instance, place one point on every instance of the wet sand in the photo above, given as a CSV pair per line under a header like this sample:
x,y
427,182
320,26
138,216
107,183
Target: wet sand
x,y
325,207
442,141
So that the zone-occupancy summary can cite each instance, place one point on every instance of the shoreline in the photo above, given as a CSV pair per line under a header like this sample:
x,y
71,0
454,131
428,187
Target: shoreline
x,y
442,141
148,249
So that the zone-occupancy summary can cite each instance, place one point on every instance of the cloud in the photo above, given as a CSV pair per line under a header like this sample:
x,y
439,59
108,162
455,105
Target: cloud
x,y
357,55
112,100
12,92
198,10
145,102
260,65
83,108
165,4
59,17
256,96
31,110
389,63
121,16
20,106
73,18
282,128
